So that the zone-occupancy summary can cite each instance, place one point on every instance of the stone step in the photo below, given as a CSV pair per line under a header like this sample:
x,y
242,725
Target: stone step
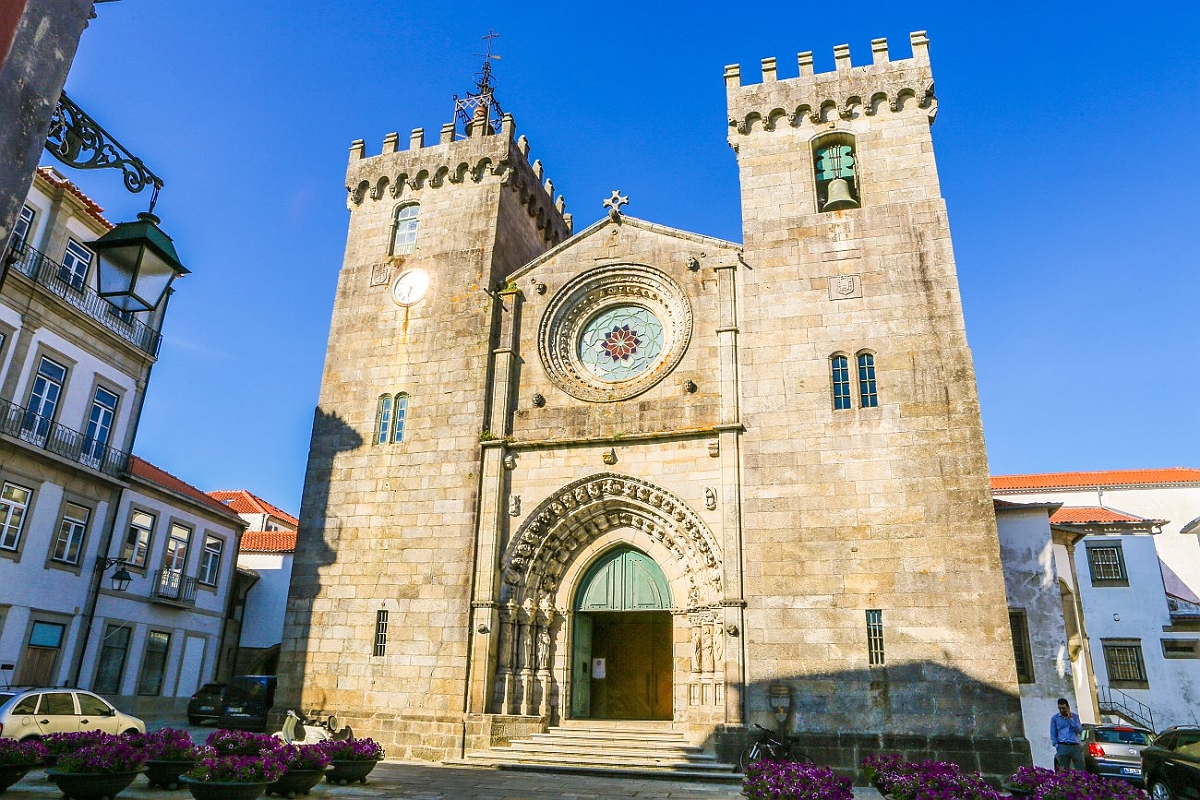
x,y
614,748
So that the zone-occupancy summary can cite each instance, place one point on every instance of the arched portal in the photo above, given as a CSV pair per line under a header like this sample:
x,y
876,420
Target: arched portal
x,y
621,660
570,550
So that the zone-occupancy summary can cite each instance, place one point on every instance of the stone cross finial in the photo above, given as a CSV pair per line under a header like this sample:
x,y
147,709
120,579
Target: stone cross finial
x,y
614,203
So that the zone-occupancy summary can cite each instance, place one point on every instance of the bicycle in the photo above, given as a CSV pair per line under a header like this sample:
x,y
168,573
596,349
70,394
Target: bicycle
x,y
769,747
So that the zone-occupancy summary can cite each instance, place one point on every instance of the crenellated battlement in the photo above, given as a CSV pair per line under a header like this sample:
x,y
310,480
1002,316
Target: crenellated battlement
x,y
845,92
395,174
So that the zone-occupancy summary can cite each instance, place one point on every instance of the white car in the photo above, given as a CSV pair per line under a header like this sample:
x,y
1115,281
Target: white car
x,y
33,713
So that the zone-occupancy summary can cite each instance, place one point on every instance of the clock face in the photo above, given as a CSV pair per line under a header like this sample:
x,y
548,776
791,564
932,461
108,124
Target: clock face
x,y
410,287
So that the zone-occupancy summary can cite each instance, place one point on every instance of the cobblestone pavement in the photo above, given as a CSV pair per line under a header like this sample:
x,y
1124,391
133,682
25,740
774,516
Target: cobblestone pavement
x,y
403,781
407,781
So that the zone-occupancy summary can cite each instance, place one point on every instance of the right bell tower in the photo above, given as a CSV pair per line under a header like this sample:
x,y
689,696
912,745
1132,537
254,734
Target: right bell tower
x,y
866,500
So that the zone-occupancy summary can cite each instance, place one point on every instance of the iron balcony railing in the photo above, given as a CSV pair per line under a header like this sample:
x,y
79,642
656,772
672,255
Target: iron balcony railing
x,y
47,434
47,272
1115,702
173,586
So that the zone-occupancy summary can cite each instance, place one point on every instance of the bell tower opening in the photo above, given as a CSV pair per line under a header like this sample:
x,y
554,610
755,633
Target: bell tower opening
x,y
622,665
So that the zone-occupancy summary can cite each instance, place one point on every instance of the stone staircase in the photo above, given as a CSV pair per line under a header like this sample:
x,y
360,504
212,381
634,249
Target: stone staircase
x,y
645,749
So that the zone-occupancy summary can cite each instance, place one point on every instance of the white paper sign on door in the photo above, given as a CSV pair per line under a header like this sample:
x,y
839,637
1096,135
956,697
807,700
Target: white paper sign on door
x,y
598,669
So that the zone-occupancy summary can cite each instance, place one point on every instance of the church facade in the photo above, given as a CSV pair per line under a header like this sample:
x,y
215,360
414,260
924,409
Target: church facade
x,y
634,473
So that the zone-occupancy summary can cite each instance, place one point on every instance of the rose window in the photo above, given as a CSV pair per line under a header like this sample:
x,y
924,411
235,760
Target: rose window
x,y
620,342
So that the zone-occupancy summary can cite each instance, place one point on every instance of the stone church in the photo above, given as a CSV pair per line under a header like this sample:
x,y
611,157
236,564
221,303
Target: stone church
x,y
637,476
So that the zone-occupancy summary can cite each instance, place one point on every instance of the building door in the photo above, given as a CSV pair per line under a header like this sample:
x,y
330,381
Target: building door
x,y
41,654
622,664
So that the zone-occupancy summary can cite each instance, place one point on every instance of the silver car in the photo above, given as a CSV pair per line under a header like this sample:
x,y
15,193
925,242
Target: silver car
x,y
33,713
1115,751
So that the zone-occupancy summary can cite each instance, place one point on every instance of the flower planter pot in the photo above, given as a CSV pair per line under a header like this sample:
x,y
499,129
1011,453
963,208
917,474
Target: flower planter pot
x,y
344,772
92,785
167,773
10,774
217,790
296,781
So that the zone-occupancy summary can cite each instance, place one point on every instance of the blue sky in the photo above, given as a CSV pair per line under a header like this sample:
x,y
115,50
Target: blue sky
x,y
1066,141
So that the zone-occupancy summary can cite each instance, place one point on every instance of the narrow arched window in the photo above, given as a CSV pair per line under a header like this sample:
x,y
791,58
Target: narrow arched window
x,y
835,165
840,372
404,238
400,414
868,395
383,419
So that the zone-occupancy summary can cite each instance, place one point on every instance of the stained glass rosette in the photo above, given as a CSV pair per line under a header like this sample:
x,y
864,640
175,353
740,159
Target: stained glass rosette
x,y
621,342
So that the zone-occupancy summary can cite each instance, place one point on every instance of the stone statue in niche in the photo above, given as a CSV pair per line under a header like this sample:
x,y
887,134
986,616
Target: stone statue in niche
x,y
514,505
543,647
710,498
504,648
706,654
696,648
718,645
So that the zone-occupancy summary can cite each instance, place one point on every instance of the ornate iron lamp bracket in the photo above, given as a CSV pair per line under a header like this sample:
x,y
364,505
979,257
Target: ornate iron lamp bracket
x,y
79,141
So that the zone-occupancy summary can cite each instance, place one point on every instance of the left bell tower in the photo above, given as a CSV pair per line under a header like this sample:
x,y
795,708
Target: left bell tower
x,y
379,607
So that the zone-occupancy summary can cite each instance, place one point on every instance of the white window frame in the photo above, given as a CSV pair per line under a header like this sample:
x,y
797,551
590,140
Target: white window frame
x,y
23,228
72,532
76,264
10,531
404,235
210,560
136,551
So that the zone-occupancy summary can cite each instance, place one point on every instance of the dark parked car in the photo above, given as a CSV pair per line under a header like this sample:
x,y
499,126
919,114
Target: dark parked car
x,y
248,699
206,703
1171,765
1115,751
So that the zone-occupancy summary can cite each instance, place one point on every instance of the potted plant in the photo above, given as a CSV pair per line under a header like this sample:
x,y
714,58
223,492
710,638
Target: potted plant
x,y
59,743
169,754
879,769
793,780
1025,780
304,765
352,759
232,777
17,758
99,772
241,743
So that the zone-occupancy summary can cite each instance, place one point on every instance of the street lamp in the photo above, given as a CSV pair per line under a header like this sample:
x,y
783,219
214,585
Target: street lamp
x,y
137,261
121,578
137,264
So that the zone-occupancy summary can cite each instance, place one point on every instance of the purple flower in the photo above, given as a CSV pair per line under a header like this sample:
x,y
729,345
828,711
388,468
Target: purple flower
x,y
21,754
303,757
170,744
60,743
791,780
1071,785
241,743
352,750
104,758
264,768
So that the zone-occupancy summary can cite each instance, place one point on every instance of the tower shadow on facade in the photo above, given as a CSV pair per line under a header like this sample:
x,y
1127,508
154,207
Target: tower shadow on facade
x,y
316,549
837,718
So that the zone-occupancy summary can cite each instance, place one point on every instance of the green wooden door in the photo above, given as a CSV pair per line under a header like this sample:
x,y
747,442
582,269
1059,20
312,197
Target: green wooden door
x,y
623,580
581,668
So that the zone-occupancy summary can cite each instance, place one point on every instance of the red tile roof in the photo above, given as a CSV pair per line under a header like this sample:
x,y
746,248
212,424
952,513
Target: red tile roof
x,y
59,181
1095,514
268,541
1101,479
244,502
143,469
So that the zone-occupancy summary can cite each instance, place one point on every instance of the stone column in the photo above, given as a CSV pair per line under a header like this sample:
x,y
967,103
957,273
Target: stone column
x,y
729,445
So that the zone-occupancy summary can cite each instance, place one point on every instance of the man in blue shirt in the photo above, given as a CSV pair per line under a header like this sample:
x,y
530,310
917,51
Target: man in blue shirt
x,y
1064,735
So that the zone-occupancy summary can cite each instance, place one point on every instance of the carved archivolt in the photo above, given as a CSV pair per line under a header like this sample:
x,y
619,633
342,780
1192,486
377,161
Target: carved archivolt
x,y
583,511
593,292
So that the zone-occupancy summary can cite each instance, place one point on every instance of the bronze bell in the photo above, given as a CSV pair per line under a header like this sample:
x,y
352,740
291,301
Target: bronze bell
x,y
838,196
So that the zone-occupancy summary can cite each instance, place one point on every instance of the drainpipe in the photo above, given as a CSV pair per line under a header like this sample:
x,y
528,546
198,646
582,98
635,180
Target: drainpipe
x,y
94,589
